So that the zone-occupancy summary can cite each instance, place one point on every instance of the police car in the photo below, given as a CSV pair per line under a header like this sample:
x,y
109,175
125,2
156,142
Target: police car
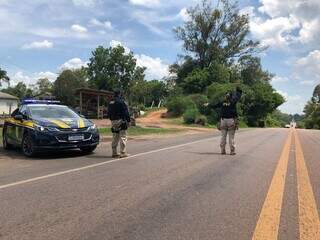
x,y
46,125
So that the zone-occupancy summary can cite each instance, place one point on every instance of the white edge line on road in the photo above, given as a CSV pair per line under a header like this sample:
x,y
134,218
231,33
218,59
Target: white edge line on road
x,y
98,164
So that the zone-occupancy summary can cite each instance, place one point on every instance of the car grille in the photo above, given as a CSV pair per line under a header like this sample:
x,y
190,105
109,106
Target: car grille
x,y
73,130
64,137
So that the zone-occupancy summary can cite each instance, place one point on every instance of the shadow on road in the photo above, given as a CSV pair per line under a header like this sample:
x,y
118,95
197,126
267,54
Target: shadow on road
x,y
51,155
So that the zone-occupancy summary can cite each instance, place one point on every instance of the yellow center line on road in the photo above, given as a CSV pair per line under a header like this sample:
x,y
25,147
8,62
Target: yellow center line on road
x,y
268,223
309,222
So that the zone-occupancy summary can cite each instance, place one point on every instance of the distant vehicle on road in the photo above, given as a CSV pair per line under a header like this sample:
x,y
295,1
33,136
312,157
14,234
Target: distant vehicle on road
x,y
287,126
38,126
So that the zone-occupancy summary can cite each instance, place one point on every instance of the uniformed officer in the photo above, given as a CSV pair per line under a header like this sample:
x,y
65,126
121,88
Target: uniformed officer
x,y
228,123
119,115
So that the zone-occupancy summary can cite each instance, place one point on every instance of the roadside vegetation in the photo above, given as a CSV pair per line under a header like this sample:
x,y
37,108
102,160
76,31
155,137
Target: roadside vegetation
x,y
311,117
218,55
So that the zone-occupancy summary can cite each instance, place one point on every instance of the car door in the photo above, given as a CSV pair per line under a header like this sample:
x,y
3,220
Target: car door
x,y
9,128
21,124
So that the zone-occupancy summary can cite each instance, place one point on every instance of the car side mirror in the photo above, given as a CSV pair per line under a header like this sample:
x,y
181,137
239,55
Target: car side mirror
x,y
18,117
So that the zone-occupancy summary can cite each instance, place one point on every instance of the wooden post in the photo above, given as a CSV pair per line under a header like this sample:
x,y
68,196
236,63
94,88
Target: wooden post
x,y
98,106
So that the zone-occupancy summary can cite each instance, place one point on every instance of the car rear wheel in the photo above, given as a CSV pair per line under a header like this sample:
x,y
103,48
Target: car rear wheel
x,y
88,150
27,146
5,143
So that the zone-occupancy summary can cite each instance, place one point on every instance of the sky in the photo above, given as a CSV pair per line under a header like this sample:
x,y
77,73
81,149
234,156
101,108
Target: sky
x,y
40,38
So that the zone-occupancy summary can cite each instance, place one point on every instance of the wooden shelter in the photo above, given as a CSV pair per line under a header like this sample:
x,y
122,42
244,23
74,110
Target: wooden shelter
x,y
94,103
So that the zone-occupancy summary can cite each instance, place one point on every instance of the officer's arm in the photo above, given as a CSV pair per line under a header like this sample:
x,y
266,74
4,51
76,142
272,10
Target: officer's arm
x,y
217,105
126,112
110,110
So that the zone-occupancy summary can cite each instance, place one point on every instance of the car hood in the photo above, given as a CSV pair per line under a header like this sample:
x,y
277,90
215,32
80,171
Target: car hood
x,y
64,123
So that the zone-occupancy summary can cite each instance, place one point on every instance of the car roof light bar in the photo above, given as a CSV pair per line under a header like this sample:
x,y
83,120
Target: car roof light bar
x,y
35,101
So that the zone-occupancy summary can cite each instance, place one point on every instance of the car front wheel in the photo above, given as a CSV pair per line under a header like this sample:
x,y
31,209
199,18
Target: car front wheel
x,y
28,146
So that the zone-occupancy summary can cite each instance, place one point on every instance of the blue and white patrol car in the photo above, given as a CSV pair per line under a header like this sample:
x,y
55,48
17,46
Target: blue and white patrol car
x,y
38,126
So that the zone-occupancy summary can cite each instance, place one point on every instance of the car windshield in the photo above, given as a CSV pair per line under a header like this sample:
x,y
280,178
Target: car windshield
x,y
52,111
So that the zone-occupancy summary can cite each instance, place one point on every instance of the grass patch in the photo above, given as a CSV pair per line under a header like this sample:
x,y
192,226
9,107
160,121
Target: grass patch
x,y
140,131
1,133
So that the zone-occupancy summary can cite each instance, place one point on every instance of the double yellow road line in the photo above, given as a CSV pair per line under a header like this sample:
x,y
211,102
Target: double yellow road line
x,y
267,227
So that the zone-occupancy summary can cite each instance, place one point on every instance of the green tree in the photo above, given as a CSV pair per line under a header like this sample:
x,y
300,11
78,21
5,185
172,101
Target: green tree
x,y
20,90
219,73
216,33
145,92
44,86
3,77
316,93
251,70
112,67
196,82
258,101
64,88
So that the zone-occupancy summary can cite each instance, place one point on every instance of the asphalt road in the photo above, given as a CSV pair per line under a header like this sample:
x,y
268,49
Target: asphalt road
x,y
171,188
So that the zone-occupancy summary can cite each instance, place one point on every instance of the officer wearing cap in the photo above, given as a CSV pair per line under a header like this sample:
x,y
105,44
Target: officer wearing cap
x,y
119,115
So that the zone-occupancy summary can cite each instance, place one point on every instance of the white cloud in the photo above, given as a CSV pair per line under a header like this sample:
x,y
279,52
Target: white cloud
x,y
38,45
279,79
21,77
275,31
294,103
97,23
115,43
49,75
151,19
30,79
183,14
74,63
78,28
309,31
146,3
308,68
156,68
292,21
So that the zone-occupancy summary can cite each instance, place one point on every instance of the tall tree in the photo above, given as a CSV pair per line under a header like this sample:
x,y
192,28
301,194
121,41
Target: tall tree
x,y
64,88
3,77
216,33
44,86
112,67
312,110
316,93
251,70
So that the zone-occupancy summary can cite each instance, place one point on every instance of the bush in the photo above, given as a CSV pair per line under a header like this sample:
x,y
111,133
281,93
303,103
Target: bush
x,y
177,106
141,107
200,100
190,116
201,120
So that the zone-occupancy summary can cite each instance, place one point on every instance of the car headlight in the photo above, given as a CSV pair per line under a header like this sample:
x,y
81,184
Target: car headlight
x,y
92,127
42,128
39,128
52,129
